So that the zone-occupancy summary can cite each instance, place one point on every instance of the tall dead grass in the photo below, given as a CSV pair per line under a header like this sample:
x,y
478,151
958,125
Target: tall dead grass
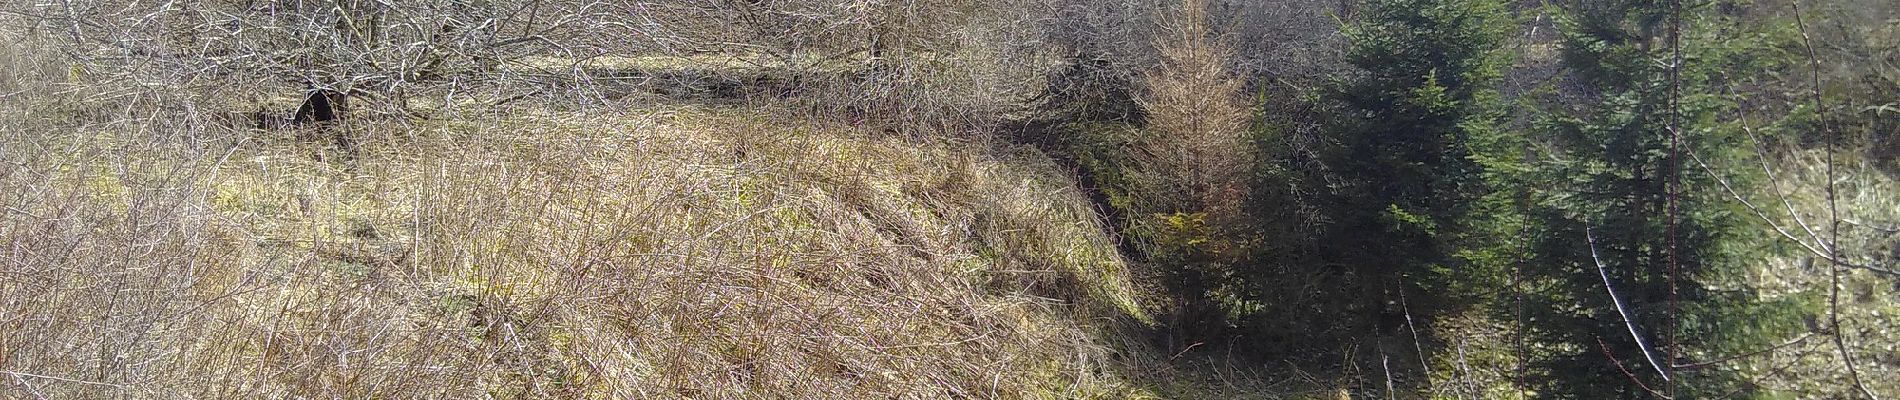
x,y
667,252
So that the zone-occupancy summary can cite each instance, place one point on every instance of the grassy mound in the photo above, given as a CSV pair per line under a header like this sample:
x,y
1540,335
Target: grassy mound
x,y
702,253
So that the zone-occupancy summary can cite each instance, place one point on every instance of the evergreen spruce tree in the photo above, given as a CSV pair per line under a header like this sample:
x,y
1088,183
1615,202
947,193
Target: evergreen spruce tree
x,y
1605,212
1399,174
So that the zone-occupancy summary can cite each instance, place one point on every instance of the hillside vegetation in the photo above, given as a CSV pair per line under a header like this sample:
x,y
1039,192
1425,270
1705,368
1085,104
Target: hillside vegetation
x,y
920,199
692,252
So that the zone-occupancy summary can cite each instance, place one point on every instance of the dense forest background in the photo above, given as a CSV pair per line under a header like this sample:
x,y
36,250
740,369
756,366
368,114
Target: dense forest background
x,y
950,198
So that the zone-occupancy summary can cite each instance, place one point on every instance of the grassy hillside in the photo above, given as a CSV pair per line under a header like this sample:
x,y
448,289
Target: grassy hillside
x,y
1432,199
675,252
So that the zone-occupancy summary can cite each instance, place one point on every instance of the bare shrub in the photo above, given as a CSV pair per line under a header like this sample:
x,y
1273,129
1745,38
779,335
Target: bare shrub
x,y
936,65
240,56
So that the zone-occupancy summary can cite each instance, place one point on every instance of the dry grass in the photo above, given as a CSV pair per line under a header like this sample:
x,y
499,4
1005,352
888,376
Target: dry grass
x,y
670,252
554,256
149,249
1868,306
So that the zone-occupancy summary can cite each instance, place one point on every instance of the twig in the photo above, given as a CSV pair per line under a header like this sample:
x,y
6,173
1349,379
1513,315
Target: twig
x,y
1774,181
1464,369
1833,211
1783,345
1888,229
1674,186
1386,364
1626,371
1517,282
29,387
1184,351
1417,346
1817,252
18,375
1618,302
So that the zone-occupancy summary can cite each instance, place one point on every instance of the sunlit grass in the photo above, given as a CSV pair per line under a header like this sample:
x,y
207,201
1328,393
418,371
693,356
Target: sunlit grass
x,y
677,251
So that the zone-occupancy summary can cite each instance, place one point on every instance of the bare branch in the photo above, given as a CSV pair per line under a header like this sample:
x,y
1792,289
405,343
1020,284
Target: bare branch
x,y
1618,302
1821,252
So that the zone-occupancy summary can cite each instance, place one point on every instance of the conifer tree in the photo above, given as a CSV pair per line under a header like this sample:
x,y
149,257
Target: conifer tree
x,y
1630,245
1399,172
